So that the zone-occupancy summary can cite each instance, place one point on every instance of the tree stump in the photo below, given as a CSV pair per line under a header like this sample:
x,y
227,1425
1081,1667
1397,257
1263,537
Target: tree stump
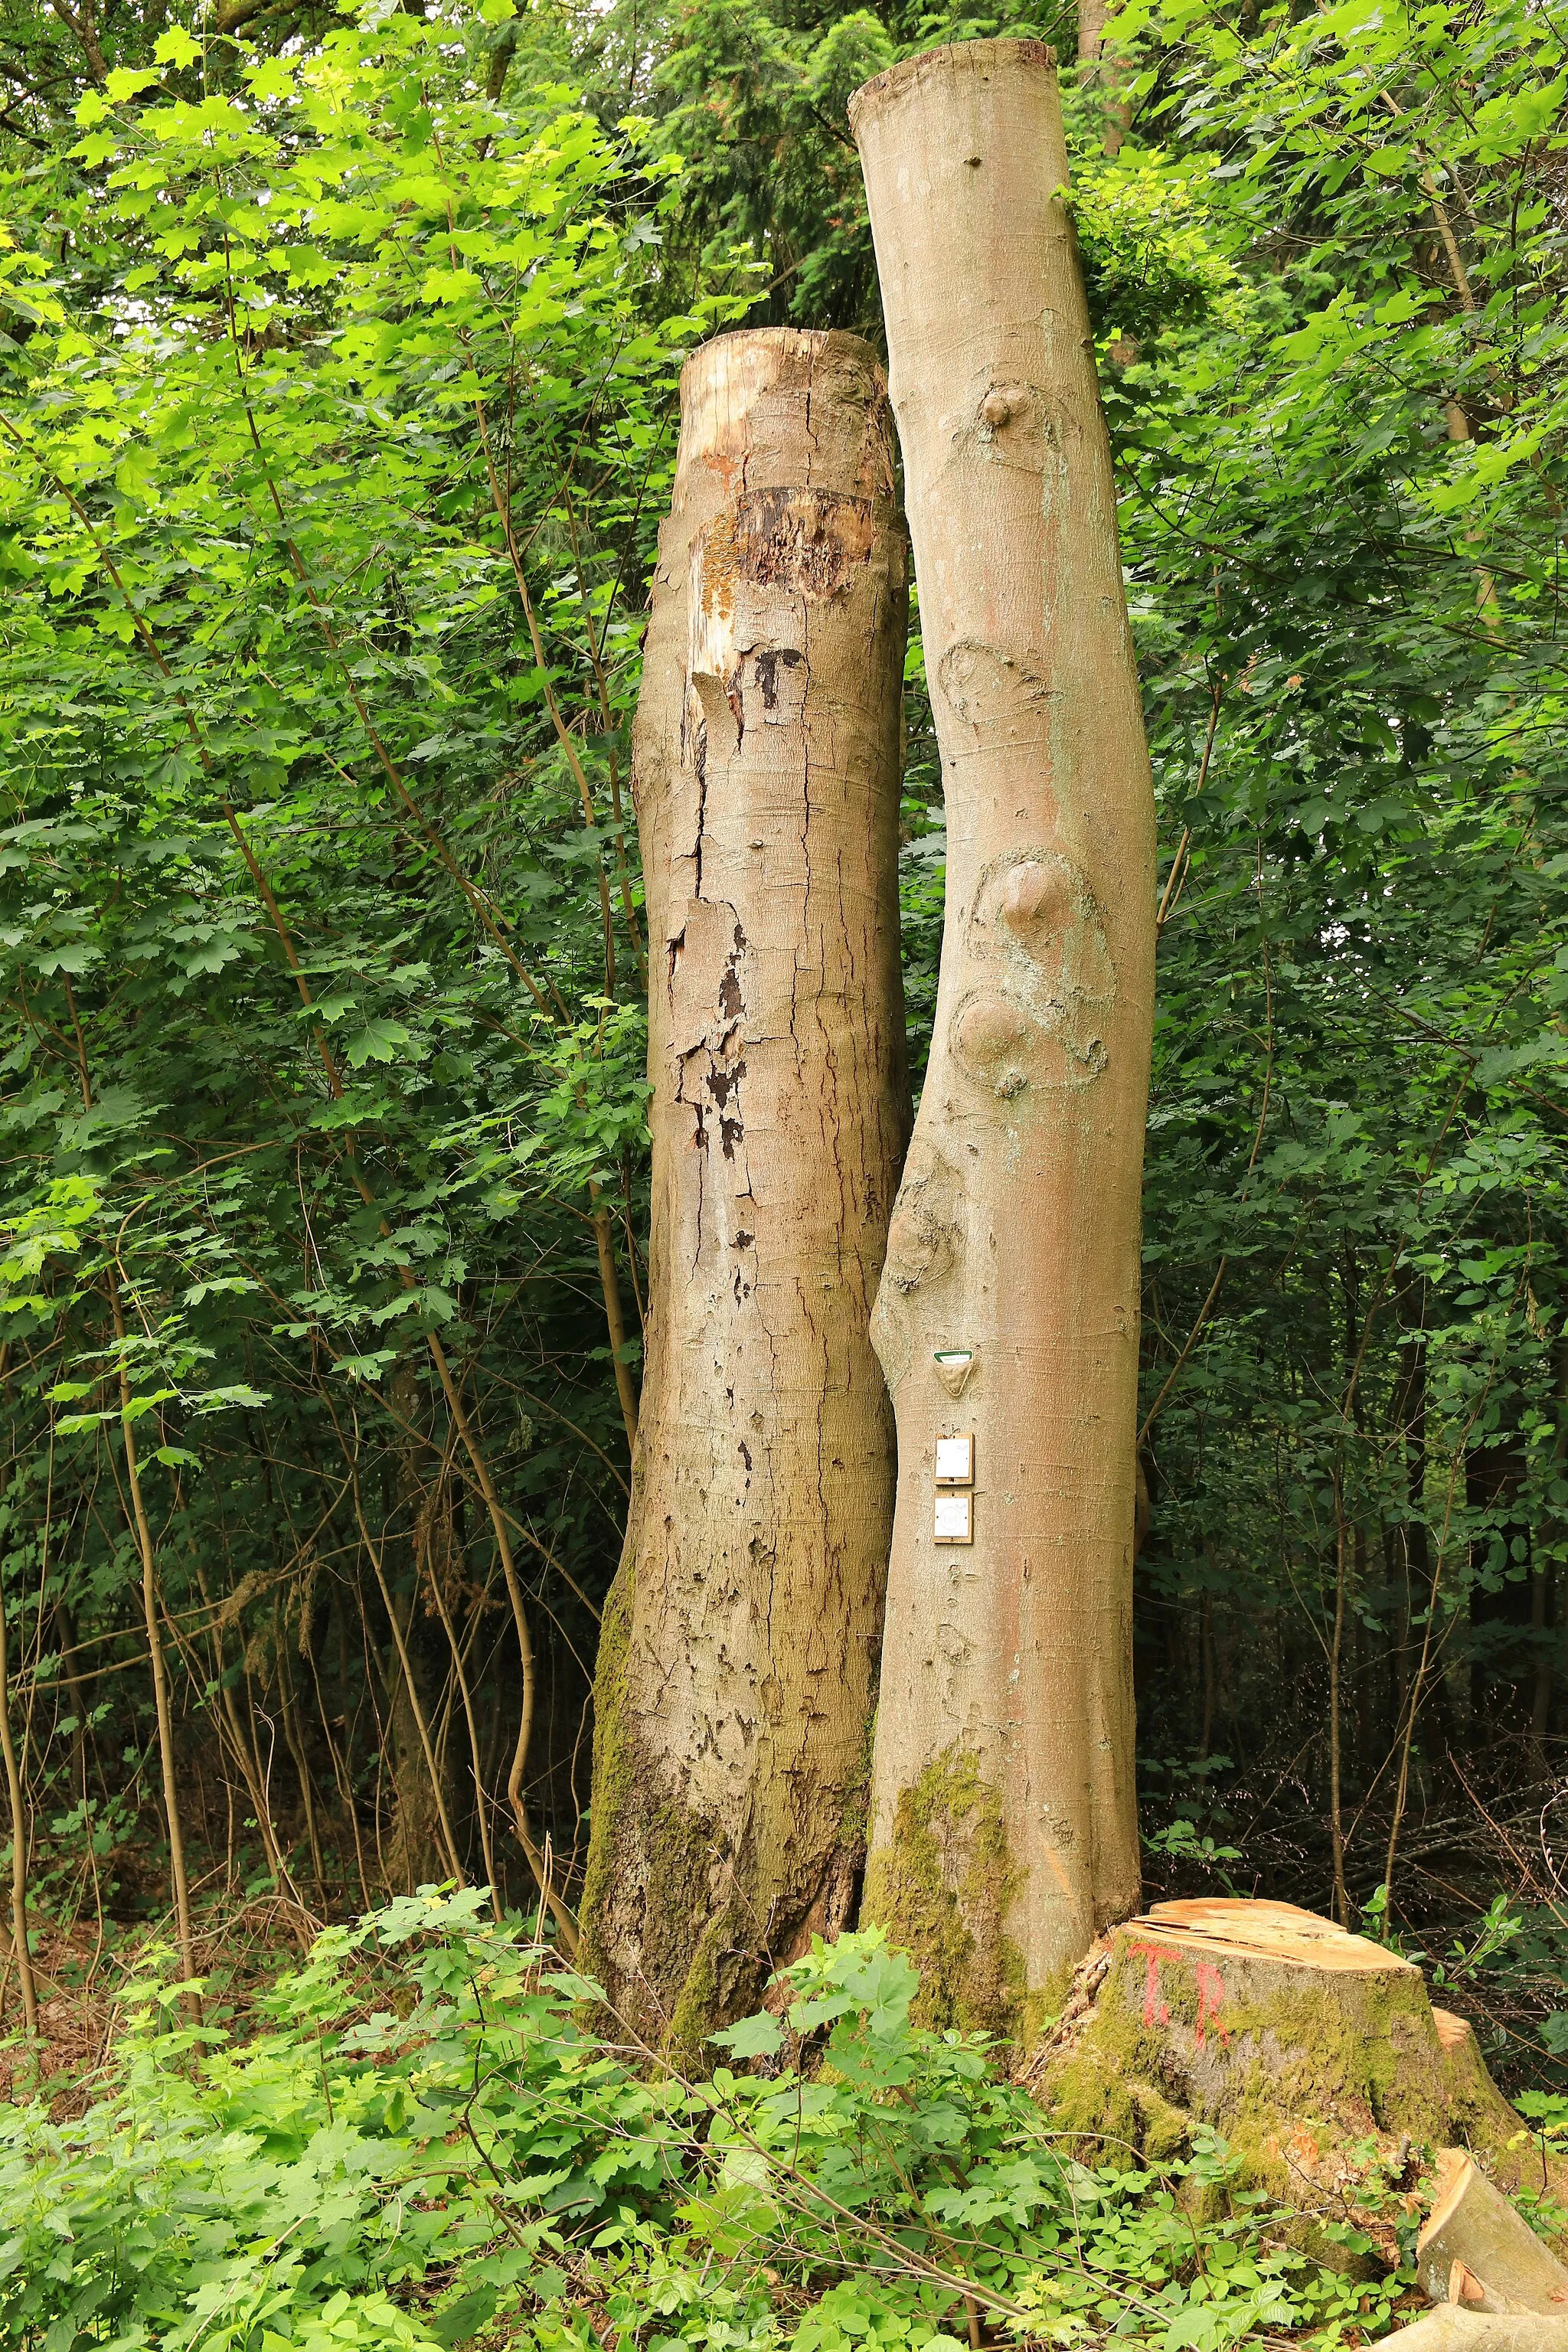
x,y
1315,2053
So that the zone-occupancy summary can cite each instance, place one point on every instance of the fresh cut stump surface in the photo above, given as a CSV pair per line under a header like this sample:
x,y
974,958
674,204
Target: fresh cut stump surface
x,y
738,1658
1003,1831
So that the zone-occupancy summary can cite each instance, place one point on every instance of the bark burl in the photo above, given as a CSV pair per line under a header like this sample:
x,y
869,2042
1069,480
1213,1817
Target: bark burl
x,y
1003,1831
738,1662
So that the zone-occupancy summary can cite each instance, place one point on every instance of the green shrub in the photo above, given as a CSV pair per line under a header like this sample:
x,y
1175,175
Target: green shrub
x,y
429,2139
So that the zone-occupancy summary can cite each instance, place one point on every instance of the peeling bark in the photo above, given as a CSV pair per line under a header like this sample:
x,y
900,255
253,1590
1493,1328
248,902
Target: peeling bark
x,y
1009,1308
737,1659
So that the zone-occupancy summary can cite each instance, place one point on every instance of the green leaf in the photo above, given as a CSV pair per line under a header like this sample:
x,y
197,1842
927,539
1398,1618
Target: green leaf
x,y
176,47
378,1041
754,2037
454,2322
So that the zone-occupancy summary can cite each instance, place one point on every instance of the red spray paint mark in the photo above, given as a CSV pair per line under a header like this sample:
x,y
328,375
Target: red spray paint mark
x,y
1155,2010
1211,1991
1211,1995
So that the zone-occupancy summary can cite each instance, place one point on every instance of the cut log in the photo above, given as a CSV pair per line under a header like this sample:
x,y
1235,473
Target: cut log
x,y
1478,2252
1452,2330
737,1665
1317,2054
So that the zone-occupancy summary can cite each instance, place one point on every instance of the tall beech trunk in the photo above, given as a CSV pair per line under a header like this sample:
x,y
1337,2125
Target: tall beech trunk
x,y
738,1657
1004,1826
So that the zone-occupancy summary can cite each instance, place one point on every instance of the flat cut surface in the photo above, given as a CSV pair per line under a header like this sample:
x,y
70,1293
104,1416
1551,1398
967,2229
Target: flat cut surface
x,y
1274,1931
1446,2190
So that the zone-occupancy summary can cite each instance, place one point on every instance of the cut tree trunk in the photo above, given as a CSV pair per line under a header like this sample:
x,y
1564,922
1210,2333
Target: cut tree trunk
x,y
1004,1833
737,1659
1453,2330
1478,2252
1315,2053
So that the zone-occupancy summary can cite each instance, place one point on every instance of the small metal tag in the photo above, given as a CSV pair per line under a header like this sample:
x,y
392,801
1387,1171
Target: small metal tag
x,y
956,1460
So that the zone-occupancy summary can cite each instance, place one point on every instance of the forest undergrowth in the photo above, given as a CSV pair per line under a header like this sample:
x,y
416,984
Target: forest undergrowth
x,y
425,2130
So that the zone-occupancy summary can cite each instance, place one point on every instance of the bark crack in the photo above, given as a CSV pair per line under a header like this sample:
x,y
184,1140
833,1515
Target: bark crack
x,y
702,766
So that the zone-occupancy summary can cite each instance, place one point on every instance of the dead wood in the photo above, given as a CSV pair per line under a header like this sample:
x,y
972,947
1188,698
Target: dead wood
x,y
1452,2330
736,1674
1478,2252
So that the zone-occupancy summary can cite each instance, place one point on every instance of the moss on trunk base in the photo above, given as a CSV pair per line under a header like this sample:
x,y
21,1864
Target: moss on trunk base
x,y
941,1886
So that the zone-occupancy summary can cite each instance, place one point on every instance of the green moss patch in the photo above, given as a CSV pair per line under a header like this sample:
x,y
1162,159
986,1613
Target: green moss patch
x,y
942,1887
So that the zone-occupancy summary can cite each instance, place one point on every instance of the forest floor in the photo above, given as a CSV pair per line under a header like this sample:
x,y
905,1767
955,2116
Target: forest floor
x,y
410,2129
419,2133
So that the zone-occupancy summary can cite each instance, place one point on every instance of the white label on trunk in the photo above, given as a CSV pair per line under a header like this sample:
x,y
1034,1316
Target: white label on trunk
x,y
955,1460
954,1519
